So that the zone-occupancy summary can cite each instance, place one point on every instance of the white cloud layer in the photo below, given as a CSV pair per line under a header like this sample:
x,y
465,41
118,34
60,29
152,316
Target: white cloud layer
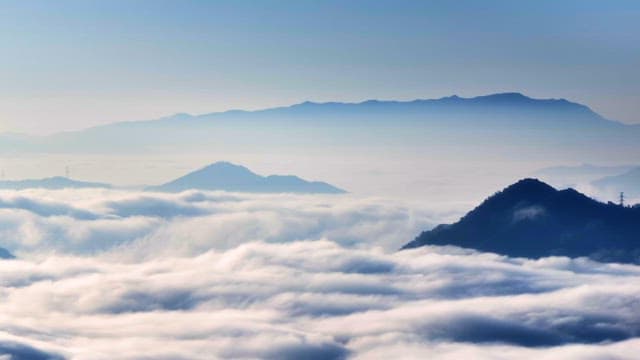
x,y
93,221
107,274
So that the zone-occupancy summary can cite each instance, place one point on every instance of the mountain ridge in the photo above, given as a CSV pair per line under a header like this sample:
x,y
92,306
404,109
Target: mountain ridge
x,y
532,219
497,121
227,176
495,98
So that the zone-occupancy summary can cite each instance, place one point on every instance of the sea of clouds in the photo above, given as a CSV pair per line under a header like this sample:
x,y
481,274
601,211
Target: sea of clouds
x,y
109,274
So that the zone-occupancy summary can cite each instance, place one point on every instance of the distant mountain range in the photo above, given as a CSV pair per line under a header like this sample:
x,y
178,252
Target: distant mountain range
x,y
56,182
222,176
230,177
532,219
569,176
628,182
506,123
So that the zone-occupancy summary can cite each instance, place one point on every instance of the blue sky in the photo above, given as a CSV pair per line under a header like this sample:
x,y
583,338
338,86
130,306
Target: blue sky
x,y
72,64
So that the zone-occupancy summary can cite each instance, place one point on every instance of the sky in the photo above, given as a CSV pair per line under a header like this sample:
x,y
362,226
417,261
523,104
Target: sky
x,y
74,64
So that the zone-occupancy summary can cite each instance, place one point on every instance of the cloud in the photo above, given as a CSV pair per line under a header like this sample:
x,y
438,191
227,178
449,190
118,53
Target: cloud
x,y
306,299
528,213
241,276
12,350
92,221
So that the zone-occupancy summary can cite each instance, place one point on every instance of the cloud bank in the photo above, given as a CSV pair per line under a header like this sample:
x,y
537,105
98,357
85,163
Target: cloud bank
x,y
95,221
105,274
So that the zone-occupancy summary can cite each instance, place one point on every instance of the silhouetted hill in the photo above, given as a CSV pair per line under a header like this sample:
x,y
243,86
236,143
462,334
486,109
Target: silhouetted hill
x,y
229,177
629,183
56,182
5,254
532,219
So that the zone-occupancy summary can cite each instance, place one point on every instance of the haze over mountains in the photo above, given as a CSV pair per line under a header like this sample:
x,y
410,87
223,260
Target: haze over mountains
x,y
222,175
230,177
532,219
56,182
569,176
627,182
448,149
495,122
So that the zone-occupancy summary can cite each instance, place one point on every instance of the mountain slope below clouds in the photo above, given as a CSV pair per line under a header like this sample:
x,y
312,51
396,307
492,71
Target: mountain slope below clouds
x,y
532,219
230,177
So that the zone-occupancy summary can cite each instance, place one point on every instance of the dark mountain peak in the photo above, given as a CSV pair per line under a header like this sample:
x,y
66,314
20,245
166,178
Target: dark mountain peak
x,y
529,188
524,191
532,219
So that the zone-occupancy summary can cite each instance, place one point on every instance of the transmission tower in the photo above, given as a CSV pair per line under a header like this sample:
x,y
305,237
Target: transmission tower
x,y
621,199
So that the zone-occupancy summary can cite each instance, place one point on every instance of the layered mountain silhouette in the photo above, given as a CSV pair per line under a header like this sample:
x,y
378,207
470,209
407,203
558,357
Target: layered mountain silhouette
x,y
230,177
497,122
532,219
628,182
56,182
570,176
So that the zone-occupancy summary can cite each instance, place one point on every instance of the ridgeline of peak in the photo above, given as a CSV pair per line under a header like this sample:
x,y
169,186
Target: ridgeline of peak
x,y
455,102
529,188
516,107
227,176
225,166
497,98
532,219
180,116
529,184
510,96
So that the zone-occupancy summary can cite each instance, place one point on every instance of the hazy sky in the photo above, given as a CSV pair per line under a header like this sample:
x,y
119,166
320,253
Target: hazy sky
x,y
73,64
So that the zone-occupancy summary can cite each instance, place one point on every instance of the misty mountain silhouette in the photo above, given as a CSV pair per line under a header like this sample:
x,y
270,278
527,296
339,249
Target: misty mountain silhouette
x,y
628,182
502,103
5,254
570,176
497,122
532,219
230,177
56,182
